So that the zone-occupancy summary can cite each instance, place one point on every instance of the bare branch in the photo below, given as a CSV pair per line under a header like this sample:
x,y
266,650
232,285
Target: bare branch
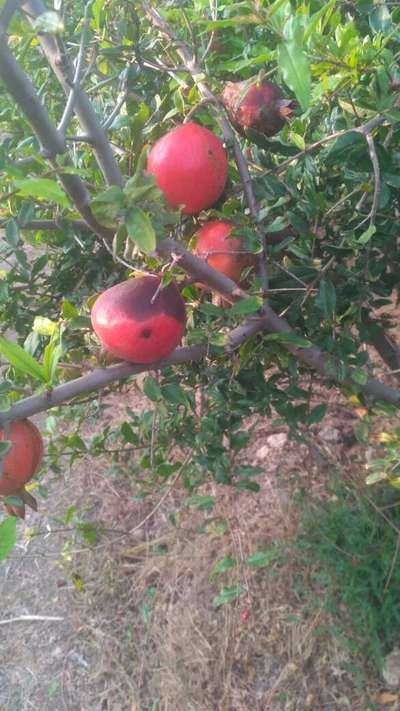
x,y
57,58
377,180
114,113
365,128
69,107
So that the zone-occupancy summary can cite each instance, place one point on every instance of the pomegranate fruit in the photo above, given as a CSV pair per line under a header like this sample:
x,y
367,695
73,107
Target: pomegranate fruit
x,y
225,253
22,460
190,167
138,321
257,105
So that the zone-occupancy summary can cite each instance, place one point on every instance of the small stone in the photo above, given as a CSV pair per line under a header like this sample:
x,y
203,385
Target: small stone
x,y
329,434
277,440
391,668
263,452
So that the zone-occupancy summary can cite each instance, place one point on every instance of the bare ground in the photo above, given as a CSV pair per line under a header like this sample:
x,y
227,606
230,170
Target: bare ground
x,y
139,631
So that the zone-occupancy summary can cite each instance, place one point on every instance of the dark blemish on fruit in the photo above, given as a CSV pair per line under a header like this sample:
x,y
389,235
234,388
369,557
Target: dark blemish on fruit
x,y
146,333
210,152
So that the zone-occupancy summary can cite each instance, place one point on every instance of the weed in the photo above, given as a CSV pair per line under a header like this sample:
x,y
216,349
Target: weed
x,y
351,545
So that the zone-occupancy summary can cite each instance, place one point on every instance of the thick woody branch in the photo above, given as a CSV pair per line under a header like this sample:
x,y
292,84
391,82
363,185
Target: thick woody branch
x,y
98,379
23,92
55,52
101,377
200,270
314,357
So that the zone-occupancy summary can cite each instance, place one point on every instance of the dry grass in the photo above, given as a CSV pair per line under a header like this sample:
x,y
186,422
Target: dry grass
x,y
141,632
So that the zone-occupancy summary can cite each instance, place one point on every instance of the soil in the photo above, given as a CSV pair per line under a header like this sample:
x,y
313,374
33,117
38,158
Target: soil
x,y
137,629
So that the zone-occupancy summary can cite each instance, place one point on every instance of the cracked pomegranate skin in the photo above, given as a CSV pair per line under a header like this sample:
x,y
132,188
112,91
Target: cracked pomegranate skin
x,y
260,106
214,237
190,167
23,459
134,329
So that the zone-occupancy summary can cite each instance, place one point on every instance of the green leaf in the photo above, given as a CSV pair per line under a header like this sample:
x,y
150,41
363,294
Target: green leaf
x,y
8,536
51,357
244,307
326,298
43,189
21,360
12,233
291,338
151,389
140,229
295,69
96,12
359,376
375,477
13,500
107,206
297,140
366,236
223,565
5,446
227,595
44,326
380,19
200,503
248,485
68,310
50,22
173,393
262,559
317,414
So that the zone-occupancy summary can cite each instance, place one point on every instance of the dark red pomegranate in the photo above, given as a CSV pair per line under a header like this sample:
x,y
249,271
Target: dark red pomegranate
x,y
22,460
257,105
190,167
139,322
225,253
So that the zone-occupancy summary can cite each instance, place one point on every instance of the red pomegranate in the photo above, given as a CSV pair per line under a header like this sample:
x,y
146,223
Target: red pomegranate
x,y
22,460
225,253
190,166
257,105
139,322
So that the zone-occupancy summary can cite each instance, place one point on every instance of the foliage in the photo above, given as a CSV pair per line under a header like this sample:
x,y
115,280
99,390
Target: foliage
x,y
327,187
350,546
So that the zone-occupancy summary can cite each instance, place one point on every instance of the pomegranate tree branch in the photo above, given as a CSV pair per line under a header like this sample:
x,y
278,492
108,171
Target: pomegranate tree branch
x,y
52,142
313,356
101,377
55,52
364,129
96,380
377,180
69,107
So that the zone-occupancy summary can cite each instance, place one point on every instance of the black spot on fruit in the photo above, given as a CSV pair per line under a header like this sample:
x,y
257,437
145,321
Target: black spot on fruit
x,y
146,333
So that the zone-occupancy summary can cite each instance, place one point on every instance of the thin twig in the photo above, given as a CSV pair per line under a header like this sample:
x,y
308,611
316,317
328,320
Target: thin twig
x,y
114,113
70,105
377,180
31,618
